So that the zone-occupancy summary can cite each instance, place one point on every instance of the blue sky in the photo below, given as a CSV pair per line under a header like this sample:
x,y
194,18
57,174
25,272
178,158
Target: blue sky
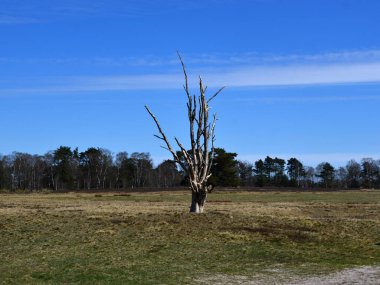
x,y
302,77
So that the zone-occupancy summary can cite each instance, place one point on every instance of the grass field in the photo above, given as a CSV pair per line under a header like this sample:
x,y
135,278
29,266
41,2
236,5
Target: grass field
x,y
150,238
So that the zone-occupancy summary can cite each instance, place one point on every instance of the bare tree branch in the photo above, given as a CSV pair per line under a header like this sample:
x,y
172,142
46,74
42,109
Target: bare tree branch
x,y
186,86
166,140
216,94
199,159
157,136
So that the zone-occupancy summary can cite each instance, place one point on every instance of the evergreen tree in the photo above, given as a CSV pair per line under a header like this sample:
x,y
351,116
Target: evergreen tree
x,y
279,178
259,171
295,171
224,169
327,173
370,172
63,170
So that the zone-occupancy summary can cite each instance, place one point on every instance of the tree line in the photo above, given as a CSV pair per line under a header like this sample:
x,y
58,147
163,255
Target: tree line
x,y
98,168
292,173
95,168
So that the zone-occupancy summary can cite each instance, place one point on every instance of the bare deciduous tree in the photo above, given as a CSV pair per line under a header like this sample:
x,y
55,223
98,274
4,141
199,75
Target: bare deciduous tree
x,y
199,158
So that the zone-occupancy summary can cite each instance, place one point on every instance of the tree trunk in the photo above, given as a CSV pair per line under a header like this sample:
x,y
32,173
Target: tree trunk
x,y
198,200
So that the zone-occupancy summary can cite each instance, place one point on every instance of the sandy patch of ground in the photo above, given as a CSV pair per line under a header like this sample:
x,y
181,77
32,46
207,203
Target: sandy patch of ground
x,y
365,275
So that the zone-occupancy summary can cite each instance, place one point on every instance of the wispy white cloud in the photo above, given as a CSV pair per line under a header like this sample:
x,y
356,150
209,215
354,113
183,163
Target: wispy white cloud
x,y
308,99
353,67
299,75
252,59
98,84
258,59
53,10
328,57
291,75
13,20
215,60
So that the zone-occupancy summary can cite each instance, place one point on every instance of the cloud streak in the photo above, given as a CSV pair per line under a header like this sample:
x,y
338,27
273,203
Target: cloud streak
x,y
299,75
51,10
216,60
290,75
12,20
308,99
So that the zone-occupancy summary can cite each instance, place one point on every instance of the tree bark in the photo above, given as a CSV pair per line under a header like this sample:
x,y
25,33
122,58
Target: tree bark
x,y
198,200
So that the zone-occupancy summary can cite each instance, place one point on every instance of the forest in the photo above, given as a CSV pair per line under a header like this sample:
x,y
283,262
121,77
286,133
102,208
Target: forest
x,y
98,168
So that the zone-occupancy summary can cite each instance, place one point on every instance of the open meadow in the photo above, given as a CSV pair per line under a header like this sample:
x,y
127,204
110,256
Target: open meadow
x,y
150,238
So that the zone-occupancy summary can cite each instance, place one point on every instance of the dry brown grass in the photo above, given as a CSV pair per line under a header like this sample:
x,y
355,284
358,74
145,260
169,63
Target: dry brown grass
x,y
150,238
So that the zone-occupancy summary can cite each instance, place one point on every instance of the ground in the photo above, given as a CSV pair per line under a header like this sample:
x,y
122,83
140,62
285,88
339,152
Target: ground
x,y
150,238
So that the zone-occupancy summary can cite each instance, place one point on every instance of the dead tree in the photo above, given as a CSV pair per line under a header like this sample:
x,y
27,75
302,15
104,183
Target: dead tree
x,y
198,160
